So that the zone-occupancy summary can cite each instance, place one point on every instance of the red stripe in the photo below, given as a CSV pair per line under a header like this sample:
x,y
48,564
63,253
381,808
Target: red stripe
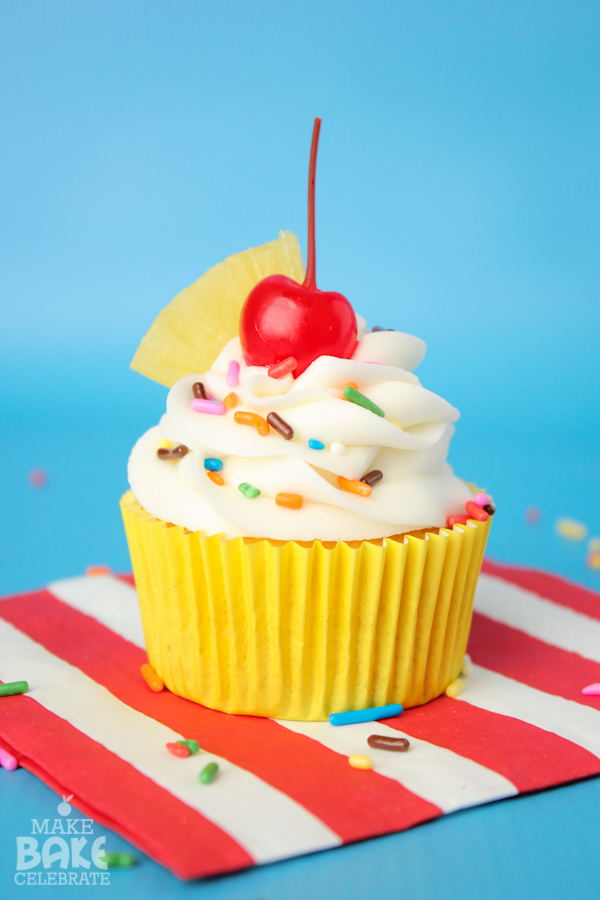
x,y
531,661
552,587
528,756
354,804
115,794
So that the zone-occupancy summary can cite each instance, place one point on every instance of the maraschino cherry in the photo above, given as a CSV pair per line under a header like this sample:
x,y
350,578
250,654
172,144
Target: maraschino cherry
x,y
282,318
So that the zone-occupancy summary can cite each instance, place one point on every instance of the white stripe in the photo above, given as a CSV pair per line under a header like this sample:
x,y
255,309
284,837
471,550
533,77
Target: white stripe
x,y
434,773
441,776
540,618
507,697
267,823
107,599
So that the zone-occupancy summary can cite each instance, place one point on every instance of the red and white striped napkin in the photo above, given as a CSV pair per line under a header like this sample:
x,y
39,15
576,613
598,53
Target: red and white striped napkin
x,y
90,727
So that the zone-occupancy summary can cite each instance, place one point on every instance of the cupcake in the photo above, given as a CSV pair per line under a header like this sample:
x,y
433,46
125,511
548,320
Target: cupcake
x,y
287,516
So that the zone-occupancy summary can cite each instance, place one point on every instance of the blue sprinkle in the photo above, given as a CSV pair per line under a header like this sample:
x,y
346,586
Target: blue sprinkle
x,y
365,715
212,464
316,445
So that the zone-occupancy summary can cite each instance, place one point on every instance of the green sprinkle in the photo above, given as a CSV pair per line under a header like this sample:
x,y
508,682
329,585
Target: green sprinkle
x,y
356,397
208,773
248,490
193,746
118,860
13,687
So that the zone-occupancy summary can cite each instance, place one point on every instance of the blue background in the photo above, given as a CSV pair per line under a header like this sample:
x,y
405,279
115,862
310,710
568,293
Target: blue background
x,y
457,199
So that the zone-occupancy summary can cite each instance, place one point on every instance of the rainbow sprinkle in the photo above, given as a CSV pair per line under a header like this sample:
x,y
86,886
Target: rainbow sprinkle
x,y
248,491
355,396
233,373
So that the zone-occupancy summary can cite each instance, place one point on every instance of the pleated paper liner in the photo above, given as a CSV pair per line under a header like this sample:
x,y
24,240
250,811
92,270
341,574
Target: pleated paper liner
x,y
300,630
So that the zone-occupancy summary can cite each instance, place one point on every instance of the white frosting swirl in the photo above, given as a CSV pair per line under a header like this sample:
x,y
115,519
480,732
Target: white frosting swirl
x,y
409,446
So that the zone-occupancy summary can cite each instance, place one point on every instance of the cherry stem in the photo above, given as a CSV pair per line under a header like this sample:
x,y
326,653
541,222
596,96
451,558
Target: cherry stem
x,y
310,280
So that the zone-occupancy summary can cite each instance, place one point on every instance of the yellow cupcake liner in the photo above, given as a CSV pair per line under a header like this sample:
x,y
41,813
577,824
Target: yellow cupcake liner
x,y
297,630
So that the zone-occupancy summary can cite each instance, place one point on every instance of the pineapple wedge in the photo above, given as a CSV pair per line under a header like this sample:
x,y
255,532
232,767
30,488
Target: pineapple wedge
x,y
189,333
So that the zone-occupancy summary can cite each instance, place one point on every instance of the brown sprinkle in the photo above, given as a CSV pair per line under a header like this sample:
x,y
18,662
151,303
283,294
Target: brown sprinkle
x,y
383,742
372,477
490,510
199,392
280,425
172,452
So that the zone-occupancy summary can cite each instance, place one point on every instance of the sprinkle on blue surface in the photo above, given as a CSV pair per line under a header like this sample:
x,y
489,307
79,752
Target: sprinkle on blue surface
x,y
316,445
212,464
365,715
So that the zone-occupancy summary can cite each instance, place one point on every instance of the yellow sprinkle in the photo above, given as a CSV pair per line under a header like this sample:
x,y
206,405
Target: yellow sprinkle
x,y
165,444
594,545
593,560
455,688
358,761
570,529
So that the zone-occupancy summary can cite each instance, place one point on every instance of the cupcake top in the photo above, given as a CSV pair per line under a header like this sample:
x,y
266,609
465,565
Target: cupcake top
x,y
304,427
244,476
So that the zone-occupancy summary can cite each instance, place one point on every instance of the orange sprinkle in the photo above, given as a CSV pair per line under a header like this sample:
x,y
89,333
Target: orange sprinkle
x,y
290,501
151,678
230,400
354,486
216,477
353,385
92,571
248,418
593,560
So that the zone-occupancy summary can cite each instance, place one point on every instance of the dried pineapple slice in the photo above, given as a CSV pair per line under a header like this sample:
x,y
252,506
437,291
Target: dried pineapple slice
x,y
189,333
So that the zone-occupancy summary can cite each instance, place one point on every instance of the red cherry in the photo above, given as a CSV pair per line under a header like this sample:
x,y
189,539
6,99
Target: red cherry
x,y
282,318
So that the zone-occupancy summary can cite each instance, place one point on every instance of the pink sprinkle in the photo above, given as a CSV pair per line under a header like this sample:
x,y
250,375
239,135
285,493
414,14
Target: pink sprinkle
x,y
372,362
233,373
533,515
38,478
592,690
213,407
8,761
282,368
481,499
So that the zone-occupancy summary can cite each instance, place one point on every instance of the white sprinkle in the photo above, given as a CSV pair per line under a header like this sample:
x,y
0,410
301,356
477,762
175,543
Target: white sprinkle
x,y
467,666
338,448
